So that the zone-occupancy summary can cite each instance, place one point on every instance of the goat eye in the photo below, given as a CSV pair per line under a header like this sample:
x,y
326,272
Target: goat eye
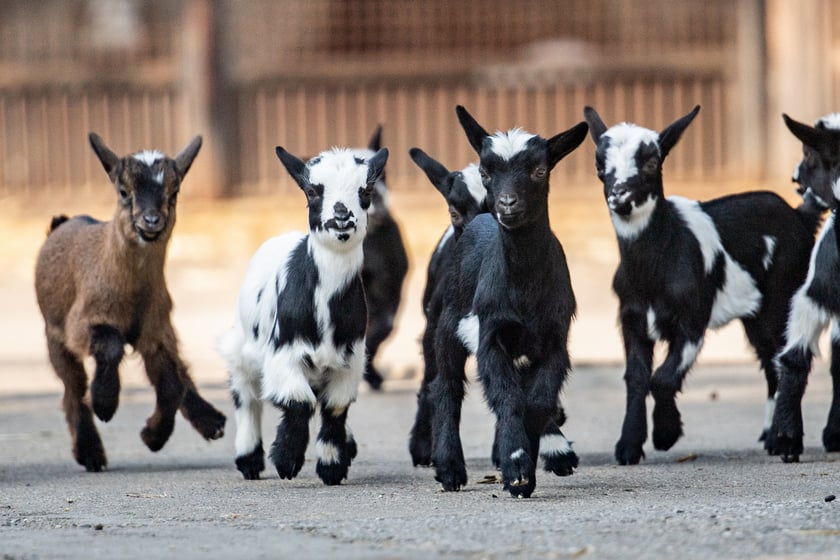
x,y
311,194
122,192
539,173
485,178
651,166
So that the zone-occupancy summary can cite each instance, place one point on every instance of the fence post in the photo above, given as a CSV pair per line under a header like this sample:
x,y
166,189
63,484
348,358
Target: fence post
x,y
211,112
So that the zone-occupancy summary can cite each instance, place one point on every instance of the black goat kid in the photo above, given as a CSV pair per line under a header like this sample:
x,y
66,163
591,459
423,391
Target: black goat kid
x,y
509,301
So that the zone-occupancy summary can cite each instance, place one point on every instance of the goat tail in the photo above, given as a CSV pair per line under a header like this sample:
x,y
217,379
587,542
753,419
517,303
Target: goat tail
x,y
57,221
811,214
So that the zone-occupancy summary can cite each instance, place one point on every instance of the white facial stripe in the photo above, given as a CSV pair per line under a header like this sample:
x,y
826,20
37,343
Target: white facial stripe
x,y
149,157
508,144
341,175
831,120
473,180
624,142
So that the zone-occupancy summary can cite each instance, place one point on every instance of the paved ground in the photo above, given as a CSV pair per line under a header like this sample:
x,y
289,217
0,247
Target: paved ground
x,y
716,495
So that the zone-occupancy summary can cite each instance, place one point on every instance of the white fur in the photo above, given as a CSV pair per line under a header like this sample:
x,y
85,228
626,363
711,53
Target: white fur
x,y
327,453
689,354
703,228
831,120
625,140
508,144
630,227
149,157
835,330
770,243
652,330
769,411
554,444
468,329
835,190
475,186
517,454
521,362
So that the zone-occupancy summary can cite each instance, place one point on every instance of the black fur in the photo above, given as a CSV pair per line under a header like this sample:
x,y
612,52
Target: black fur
x,y
512,275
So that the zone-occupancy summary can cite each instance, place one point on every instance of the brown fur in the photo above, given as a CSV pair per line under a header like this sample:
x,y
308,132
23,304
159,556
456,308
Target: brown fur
x,y
100,285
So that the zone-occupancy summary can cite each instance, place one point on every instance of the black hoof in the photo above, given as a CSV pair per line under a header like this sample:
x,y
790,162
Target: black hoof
x,y
252,464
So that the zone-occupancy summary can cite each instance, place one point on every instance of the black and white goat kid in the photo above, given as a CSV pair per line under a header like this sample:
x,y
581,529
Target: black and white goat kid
x,y
384,269
299,334
509,301
687,266
817,302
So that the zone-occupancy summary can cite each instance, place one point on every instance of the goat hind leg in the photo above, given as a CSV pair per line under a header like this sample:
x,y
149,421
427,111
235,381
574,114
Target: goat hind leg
x,y
87,445
206,419
250,455
831,432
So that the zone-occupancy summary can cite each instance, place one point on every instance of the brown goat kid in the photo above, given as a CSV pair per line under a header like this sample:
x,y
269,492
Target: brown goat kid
x,y
100,286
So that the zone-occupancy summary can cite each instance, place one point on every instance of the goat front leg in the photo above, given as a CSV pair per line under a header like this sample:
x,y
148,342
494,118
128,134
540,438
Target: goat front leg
x,y
335,445
638,348
666,382
162,368
87,445
517,449
107,346
806,322
446,392
831,432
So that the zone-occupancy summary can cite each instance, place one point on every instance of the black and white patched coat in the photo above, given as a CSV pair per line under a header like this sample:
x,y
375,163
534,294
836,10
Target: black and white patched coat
x,y
299,336
687,266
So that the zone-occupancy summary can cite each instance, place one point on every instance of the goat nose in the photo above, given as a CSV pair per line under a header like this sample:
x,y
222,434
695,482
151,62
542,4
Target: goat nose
x,y
151,219
508,199
341,211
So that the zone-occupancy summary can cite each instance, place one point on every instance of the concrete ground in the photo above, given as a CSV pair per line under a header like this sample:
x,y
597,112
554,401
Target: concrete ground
x,y
715,495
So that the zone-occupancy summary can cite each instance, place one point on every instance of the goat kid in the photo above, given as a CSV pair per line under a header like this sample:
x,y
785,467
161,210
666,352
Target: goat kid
x,y
385,267
687,266
100,286
299,334
508,300
465,195
817,302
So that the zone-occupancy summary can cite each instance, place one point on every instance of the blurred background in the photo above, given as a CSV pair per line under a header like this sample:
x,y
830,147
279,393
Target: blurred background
x,y
250,75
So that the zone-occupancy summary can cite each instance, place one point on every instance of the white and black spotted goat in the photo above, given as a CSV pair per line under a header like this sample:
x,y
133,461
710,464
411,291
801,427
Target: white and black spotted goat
x,y
508,300
687,266
818,300
299,335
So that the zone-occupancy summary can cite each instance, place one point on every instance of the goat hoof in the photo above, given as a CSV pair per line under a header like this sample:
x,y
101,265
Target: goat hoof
x,y
156,438
104,399
517,472
665,438
788,447
561,464
831,440
331,474
628,454
452,478
287,466
420,449
211,426
252,464
93,460
374,379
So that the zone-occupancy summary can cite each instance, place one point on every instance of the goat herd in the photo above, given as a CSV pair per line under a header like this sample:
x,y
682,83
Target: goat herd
x,y
314,307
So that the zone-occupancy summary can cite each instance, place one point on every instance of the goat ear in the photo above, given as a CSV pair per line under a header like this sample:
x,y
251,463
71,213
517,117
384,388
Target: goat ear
x,y
433,169
596,126
563,144
294,165
475,133
107,157
184,159
671,134
375,141
809,135
376,165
